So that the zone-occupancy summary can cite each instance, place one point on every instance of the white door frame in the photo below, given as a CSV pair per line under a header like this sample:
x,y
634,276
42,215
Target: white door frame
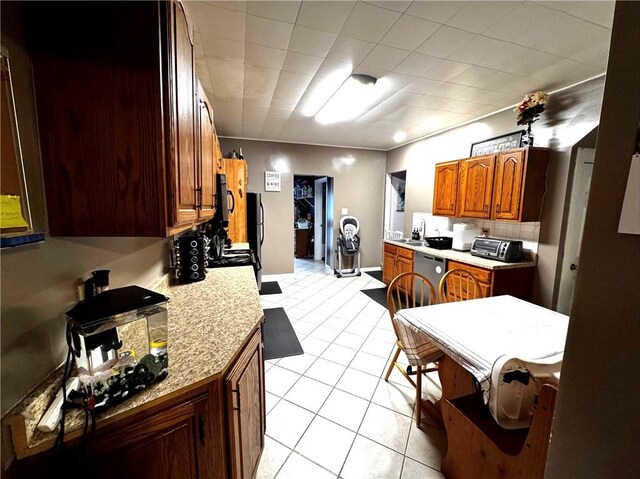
x,y
575,226
318,220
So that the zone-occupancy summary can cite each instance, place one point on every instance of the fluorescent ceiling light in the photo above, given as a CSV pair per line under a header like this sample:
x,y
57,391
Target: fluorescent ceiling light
x,y
324,89
399,136
353,98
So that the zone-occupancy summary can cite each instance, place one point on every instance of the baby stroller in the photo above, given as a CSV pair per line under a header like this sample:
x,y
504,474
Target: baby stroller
x,y
348,245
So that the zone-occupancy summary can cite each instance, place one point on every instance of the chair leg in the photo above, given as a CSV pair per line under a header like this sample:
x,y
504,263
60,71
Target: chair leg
x,y
419,396
393,361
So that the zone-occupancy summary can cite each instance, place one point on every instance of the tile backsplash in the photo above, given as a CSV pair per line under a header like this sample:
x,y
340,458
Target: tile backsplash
x,y
528,233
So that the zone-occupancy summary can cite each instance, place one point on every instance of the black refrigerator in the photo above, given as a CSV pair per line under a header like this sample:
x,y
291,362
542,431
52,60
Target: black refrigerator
x,y
255,230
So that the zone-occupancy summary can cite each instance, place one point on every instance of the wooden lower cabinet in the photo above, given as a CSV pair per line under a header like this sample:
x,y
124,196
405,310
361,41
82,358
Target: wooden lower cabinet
x,y
213,431
244,391
516,282
397,260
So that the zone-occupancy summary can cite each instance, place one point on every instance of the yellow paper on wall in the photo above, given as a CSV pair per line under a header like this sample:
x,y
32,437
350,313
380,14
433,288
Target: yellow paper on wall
x,y
11,212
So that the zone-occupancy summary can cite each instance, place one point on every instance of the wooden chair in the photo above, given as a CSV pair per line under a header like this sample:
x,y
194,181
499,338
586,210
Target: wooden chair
x,y
408,290
459,285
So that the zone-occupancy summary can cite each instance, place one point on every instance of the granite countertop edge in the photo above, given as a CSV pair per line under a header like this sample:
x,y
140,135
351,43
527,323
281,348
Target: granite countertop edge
x,y
201,346
529,258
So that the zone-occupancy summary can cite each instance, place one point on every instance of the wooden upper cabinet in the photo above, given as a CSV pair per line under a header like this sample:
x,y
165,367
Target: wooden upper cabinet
x,y
508,185
237,177
445,189
207,155
118,117
476,186
186,189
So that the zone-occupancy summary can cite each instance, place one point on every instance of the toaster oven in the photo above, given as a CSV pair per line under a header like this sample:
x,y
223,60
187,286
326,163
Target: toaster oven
x,y
498,249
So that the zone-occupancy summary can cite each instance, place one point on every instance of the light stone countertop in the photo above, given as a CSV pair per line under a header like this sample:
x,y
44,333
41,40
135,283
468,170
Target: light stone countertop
x,y
529,259
208,323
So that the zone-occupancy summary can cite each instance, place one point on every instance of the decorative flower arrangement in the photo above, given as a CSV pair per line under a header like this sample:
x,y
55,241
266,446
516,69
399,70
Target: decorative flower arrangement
x,y
529,110
531,106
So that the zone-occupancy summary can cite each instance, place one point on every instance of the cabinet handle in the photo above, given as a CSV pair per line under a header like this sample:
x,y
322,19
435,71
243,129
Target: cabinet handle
x,y
486,208
198,197
498,208
237,391
202,430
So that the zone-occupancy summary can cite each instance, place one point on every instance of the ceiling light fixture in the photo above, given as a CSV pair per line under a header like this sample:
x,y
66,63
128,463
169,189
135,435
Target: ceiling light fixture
x,y
399,136
354,96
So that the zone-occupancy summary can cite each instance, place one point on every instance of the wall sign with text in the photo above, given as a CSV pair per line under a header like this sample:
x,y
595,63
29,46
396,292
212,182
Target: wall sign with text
x,y
272,181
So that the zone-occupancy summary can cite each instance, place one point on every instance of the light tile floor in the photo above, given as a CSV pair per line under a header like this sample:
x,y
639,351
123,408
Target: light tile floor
x,y
329,412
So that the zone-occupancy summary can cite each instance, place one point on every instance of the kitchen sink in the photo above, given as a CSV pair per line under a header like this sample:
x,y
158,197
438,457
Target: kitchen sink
x,y
416,243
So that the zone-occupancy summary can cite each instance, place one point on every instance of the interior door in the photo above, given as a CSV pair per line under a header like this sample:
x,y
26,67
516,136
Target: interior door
x,y
574,228
318,220
328,258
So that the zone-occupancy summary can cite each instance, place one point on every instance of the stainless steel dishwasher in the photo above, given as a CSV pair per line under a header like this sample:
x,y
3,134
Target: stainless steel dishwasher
x,y
432,267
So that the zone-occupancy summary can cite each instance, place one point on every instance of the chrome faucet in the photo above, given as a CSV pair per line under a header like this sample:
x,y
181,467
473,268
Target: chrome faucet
x,y
423,228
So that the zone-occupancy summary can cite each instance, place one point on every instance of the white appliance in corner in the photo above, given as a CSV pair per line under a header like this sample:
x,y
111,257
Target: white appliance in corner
x,y
463,234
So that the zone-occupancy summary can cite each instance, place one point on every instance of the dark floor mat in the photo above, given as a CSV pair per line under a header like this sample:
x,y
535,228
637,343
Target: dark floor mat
x,y
270,287
376,274
379,295
280,339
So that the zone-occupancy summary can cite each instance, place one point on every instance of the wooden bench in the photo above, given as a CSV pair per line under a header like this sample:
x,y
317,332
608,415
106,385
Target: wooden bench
x,y
478,447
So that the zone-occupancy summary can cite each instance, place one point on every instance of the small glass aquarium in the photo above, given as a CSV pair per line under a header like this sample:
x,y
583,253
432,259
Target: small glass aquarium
x,y
119,342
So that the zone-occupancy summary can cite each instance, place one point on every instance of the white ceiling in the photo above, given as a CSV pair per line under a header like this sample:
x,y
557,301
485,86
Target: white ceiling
x,y
448,62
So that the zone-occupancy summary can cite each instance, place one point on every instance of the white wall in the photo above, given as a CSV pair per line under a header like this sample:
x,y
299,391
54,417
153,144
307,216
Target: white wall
x,y
359,179
39,281
596,430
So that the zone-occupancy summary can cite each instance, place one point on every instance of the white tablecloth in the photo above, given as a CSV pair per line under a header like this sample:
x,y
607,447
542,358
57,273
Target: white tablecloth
x,y
476,333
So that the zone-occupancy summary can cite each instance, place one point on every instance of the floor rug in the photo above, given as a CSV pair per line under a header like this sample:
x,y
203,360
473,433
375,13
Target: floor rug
x,y
376,274
280,339
378,294
270,287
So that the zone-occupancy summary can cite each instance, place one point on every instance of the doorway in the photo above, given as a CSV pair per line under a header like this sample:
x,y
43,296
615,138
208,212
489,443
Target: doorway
x,y
313,218
574,228
394,201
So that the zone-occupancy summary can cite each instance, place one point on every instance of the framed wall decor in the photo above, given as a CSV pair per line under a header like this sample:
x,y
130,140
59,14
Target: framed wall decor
x,y
272,181
498,143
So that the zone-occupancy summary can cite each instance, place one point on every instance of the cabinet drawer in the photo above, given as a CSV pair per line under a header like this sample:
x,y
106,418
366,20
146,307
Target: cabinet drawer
x,y
482,275
405,253
389,248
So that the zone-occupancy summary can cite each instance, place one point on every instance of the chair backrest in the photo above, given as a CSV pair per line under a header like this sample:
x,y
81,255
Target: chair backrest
x,y
417,346
459,285
418,291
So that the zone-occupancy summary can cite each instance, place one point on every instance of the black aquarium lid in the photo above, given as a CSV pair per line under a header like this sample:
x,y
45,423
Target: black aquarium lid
x,y
114,301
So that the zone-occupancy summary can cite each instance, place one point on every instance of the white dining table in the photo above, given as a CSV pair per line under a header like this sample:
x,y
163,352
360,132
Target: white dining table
x,y
479,332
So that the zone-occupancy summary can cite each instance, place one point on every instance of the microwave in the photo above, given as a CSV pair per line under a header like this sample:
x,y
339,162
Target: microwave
x,y
498,249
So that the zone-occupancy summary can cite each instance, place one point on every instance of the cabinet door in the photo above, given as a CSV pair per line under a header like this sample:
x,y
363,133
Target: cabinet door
x,y
207,160
476,186
388,267
245,408
236,183
185,131
445,189
166,445
404,265
507,189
